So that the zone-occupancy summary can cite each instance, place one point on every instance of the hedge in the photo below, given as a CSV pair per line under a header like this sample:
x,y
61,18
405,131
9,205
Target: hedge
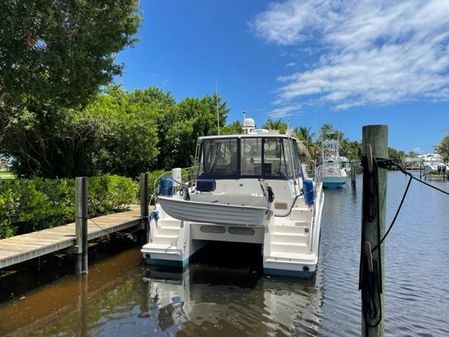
x,y
34,204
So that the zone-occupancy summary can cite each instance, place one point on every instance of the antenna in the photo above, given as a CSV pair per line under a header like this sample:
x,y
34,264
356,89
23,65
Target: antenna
x,y
216,107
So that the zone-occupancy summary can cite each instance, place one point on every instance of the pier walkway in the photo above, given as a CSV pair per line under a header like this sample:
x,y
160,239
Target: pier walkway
x,y
28,246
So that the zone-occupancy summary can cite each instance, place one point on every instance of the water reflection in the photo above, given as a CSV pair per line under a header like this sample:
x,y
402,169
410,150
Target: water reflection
x,y
206,300
216,296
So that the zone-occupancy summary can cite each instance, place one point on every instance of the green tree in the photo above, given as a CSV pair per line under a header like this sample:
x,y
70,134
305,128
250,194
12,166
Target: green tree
x,y
396,155
127,137
196,117
62,51
47,142
279,125
327,131
305,135
351,149
443,148
116,133
54,55
234,128
165,114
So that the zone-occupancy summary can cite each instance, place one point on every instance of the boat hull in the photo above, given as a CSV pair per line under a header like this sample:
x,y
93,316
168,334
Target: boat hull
x,y
333,182
214,213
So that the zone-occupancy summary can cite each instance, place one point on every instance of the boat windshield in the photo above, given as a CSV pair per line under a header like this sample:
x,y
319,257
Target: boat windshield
x,y
249,157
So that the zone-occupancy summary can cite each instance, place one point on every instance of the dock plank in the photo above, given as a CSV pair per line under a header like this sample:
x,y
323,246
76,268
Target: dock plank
x,y
24,247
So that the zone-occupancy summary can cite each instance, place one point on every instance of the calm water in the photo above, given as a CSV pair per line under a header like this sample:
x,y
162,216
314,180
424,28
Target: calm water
x,y
225,294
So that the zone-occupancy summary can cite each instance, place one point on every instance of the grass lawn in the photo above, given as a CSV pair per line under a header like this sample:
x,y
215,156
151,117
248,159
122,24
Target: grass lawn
x,y
5,174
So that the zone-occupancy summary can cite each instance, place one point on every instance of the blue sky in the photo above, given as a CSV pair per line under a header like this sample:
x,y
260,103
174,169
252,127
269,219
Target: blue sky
x,y
349,63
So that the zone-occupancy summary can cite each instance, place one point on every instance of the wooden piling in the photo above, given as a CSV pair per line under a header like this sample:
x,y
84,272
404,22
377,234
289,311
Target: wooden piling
x,y
353,174
374,145
81,217
144,206
83,307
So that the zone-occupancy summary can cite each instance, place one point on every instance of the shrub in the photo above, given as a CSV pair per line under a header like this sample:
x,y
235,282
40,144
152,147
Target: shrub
x,y
152,180
110,194
33,204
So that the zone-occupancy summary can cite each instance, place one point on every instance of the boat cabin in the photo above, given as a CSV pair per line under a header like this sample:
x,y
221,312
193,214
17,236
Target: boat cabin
x,y
268,157
232,170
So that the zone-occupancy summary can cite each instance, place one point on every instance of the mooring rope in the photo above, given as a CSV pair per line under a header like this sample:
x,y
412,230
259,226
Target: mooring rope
x,y
386,163
395,216
370,263
370,274
107,234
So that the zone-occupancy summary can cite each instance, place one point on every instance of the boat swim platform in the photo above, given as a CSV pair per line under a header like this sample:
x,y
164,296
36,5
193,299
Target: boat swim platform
x,y
20,248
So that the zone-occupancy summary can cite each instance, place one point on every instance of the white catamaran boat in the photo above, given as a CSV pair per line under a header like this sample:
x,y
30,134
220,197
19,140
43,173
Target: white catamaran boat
x,y
249,188
331,171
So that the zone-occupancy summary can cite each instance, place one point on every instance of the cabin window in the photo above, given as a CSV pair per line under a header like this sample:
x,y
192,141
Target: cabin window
x,y
297,162
220,157
251,157
276,159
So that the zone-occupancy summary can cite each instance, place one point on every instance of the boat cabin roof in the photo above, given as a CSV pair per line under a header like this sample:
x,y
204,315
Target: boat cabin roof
x,y
250,135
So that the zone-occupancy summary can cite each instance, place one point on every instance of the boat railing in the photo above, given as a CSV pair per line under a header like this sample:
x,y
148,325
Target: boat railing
x,y
189,176
317,205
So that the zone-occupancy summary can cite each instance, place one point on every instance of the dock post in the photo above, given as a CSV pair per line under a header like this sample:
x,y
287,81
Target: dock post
x,y
83,293
353,174
144,206
81,216
374,146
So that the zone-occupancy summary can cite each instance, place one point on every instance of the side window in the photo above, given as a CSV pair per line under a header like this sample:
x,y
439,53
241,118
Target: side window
x,y
220,157
251,157
275,164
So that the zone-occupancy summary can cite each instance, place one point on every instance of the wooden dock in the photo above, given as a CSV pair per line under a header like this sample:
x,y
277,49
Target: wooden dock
x,y
25,247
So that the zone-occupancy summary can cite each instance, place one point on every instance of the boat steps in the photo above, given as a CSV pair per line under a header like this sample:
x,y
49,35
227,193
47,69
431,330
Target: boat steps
x,y
160,248
165,239
281,257
291,223
301,209
300,214
163,230
287,247
289,237
289,229
169,223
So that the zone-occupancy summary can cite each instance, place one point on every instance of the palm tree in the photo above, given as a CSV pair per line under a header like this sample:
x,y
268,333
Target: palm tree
x,y
279,125
327,131
304,134
443,148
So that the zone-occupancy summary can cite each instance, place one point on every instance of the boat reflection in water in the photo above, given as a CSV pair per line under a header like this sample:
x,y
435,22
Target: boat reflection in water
x,y
225,301
222,293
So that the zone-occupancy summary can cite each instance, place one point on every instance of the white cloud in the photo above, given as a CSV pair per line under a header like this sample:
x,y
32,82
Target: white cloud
x,y
284,111
367,51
